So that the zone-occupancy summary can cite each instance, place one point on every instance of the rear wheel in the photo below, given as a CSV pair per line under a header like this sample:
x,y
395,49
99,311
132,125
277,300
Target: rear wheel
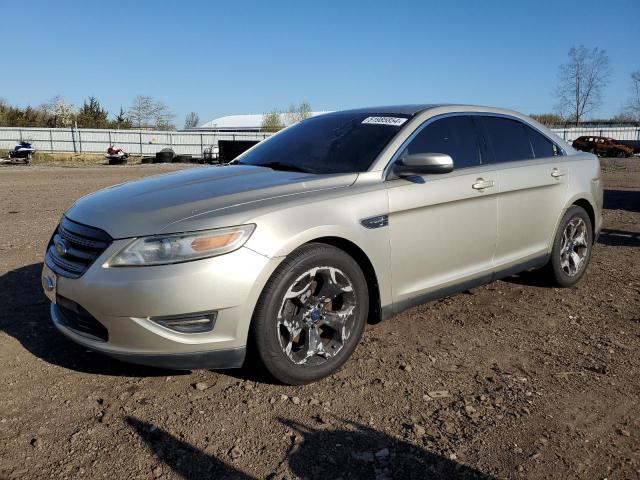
x,y
311,314
571,248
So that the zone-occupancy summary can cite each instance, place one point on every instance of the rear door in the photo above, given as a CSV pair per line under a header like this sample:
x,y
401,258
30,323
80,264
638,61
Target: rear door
x,y
532,179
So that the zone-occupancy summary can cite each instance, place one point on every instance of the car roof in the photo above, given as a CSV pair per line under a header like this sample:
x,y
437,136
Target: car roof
x,y
395,109
414,109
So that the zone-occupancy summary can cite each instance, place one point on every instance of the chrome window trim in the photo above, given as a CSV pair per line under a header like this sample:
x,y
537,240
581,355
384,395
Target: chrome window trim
x,y
430,120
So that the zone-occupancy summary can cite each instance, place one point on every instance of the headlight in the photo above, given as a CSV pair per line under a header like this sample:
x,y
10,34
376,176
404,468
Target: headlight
x,y
181,247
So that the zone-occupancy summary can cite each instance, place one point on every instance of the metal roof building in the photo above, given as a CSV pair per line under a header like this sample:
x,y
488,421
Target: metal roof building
x,y
242,123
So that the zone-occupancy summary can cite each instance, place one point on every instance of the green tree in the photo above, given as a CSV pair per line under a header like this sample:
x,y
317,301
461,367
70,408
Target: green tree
x,y
271,122
121,122
92,115
12,116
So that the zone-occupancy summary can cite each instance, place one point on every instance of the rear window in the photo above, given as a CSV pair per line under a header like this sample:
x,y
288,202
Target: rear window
x,y
542,146
508,138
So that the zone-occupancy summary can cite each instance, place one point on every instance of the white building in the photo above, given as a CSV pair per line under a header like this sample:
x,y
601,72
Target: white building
x,y
242,123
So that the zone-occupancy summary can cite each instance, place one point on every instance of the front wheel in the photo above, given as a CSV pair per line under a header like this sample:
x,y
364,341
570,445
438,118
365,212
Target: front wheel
x,y
311,314
572,247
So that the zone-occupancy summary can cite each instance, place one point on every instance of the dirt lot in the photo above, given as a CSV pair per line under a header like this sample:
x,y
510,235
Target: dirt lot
x,y
510,380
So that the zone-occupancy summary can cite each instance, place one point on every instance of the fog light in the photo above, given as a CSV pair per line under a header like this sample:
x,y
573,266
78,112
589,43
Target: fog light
x,y
191,323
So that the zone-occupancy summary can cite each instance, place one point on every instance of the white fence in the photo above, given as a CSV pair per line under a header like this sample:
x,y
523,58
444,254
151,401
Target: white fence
x,y
148,142
136,142
617,132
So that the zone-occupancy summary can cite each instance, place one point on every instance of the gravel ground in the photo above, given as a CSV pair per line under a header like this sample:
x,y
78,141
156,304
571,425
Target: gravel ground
x,y
510,380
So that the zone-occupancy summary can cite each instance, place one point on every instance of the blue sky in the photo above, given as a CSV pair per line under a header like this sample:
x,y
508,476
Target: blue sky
x,y
221,58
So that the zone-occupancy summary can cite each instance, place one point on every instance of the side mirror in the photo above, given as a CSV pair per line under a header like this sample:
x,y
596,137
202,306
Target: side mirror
x,y
423,164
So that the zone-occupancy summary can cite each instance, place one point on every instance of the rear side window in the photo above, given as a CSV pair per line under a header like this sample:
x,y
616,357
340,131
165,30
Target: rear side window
x,y
456,136
508,138
542,146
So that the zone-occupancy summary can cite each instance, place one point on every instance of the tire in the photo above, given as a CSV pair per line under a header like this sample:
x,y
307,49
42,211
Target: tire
x,y
293,301
561,269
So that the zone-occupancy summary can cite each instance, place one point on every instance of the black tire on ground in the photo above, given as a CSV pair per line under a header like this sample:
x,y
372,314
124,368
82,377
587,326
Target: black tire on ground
x,y
264,338
554,270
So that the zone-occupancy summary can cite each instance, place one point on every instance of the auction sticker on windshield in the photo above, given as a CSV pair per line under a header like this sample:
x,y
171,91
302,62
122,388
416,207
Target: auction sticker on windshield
x,y
394,121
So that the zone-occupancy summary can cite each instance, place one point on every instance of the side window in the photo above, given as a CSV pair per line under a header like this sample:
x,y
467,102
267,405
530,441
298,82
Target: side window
x,y
455,136
542,146
509,139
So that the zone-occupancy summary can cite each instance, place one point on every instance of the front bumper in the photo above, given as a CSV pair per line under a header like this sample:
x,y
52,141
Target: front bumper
x,y
223,358
124,299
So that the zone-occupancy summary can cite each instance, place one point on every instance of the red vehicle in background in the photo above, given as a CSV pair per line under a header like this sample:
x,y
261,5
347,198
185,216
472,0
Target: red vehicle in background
x,y
602,146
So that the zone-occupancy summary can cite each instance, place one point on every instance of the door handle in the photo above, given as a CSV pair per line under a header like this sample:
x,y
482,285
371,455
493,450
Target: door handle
x,y
555,173
481,184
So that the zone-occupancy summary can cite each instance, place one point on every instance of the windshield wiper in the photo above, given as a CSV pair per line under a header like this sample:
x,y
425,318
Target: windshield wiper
x,y
281,166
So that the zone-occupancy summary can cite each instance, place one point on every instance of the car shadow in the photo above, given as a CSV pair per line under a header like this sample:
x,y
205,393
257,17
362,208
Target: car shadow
x,y
25,317
530,278
342,450
622,200
619,238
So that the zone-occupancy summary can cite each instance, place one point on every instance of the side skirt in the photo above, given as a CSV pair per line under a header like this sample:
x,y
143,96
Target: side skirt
x,y
397,308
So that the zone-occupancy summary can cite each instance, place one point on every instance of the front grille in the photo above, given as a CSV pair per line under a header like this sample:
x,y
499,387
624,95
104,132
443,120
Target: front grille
x,y
74,247
76,318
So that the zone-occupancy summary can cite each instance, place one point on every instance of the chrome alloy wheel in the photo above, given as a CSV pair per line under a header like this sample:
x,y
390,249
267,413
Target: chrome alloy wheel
x,y
316,316
574,247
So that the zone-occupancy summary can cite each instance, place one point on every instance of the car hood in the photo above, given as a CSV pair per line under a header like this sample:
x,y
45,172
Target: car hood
x,y
153,205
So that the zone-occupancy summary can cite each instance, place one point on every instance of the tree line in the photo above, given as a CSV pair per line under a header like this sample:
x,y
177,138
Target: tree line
x,y
276,119
579,92
144,112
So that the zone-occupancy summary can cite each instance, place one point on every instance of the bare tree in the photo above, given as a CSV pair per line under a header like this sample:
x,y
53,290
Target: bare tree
x,y
141,111
164,117
582,80
298,113
633,104
145,111
191,120
271,122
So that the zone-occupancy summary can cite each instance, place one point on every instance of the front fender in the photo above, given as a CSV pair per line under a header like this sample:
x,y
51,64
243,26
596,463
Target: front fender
x,y
278,233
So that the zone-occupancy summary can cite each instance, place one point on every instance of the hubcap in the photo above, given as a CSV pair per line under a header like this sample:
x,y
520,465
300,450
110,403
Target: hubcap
x,y
574,247
316,316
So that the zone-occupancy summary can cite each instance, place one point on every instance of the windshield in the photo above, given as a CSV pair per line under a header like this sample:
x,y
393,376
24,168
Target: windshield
x,y
332,143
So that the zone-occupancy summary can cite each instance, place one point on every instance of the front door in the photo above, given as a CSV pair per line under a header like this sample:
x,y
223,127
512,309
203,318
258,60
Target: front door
x,y
443,227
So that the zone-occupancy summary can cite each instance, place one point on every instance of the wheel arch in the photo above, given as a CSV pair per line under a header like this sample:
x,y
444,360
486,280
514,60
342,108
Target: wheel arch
x,y
355,252
580,201
584,203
